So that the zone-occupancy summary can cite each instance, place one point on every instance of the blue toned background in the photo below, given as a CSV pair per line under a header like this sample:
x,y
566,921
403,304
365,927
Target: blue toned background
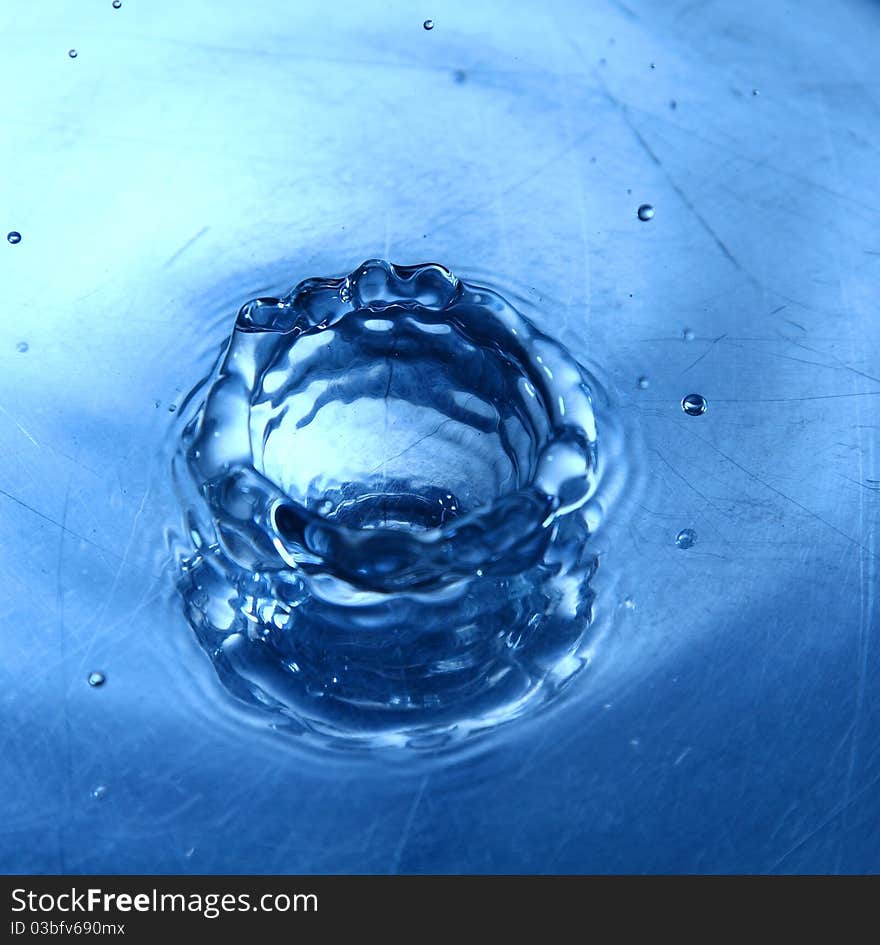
x,y
195,155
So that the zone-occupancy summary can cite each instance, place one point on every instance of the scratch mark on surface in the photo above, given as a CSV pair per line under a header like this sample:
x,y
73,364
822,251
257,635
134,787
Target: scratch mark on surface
x,y
782,495
703,355
175,256
21,429
407,826
62,644
679,191
61,525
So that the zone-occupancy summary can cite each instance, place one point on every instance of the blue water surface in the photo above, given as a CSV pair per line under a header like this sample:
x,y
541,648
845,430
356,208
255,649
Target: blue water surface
x,y
164,163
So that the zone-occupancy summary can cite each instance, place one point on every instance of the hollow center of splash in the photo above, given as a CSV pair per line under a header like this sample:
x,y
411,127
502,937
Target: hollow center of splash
x,y
393,423
385,488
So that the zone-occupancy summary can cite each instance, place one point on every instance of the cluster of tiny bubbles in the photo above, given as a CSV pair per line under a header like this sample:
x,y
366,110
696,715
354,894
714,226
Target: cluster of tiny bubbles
x,y
645,212
13,236
99,792
694,405
428,24
688,334
643,383
96,679
686,538
22,346
71,53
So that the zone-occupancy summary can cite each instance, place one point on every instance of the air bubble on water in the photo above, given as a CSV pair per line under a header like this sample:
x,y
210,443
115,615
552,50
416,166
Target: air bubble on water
x,y
643,383
22,346
653,66
172,408
428,24
629,603
117,4
688,334
72,53
13,236
645,212
755,92
98,792
694,405
686,538
97,679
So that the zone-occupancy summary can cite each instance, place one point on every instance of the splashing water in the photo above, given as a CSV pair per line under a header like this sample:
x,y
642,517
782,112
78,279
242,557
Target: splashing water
x,y
389,485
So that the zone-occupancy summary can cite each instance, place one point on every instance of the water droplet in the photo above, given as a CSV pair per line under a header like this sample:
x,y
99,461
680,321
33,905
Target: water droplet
x,y
117,4
643,383
694,404
688,334
13,236
22,346
428,24
71,53
99,792
97,679
686,538
646,212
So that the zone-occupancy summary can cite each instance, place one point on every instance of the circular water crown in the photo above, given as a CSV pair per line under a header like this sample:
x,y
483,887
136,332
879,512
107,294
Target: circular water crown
x,y
388,490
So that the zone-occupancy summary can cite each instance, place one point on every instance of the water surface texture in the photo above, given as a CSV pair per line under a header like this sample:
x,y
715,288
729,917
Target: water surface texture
x,y
194,156
389,485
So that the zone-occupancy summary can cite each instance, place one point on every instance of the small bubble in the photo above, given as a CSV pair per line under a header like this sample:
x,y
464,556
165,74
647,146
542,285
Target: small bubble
x,y
428,24
22,346
755,92
97,679
172,408
643,383
688,334
694,405
629,603
117,4
71,53
686,538
99,792
13,236
653,66
646,212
